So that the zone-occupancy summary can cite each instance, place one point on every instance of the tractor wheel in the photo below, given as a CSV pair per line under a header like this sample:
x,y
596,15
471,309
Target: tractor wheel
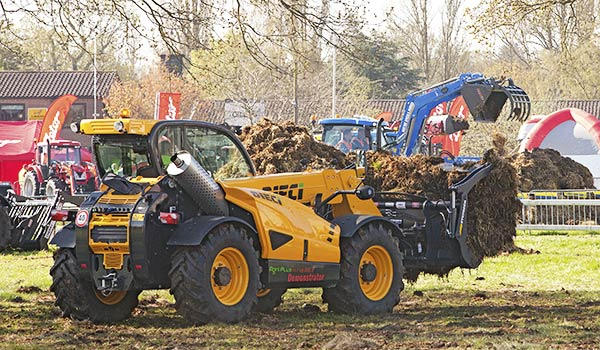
x,y
43,242
7,234
80,300
370,273
268,299
31,186
217,280
53,186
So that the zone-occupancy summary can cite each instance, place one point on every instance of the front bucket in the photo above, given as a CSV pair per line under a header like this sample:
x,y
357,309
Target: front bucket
x,y
486,101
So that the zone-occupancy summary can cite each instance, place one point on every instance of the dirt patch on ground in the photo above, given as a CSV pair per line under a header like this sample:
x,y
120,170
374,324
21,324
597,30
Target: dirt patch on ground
x,y
547,169
287,147
29,289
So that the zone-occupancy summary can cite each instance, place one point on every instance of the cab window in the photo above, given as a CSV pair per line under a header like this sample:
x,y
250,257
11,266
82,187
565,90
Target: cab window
x,y
347,138
216,152
169,143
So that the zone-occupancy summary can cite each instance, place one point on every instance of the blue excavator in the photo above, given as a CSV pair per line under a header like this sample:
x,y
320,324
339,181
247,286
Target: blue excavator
x,y
484,97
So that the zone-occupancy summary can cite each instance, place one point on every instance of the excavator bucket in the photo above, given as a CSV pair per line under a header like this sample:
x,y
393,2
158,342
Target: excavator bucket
x,y
486,100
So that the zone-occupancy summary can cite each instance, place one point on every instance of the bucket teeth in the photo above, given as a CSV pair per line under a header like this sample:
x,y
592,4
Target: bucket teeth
x,y
520,103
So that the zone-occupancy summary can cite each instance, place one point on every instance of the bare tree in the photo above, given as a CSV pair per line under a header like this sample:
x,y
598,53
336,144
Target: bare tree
x,y
61,34
438,53
415,37
555,25
452,42
184,25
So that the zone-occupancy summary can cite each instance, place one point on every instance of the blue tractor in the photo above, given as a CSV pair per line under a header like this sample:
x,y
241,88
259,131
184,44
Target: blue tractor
x,y
357,133
484,97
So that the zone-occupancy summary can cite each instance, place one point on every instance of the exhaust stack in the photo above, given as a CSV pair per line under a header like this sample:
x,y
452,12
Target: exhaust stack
x,y
198,184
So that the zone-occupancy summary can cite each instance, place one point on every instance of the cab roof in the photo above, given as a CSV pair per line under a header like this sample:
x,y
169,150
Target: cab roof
x,y
65,143
108,126
360,121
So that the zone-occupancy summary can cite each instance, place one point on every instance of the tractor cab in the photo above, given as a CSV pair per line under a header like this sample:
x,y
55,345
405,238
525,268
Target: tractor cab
x,y
353,134
145,154
48,153
58,151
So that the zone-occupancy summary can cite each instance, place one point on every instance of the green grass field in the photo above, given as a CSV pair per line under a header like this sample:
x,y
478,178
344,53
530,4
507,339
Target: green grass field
x,y
546,300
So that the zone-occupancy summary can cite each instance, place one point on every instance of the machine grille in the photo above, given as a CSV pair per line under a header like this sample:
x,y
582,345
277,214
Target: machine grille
x,y
109,234
113,261
118,199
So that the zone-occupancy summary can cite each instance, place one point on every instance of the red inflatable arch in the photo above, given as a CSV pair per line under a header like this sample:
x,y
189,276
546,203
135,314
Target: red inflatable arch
x,y
544,126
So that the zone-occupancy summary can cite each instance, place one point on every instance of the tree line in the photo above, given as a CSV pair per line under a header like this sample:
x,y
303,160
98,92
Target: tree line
x,y
253,50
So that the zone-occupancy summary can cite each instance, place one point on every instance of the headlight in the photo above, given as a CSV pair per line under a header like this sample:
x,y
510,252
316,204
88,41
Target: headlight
x,y
119,126
75,127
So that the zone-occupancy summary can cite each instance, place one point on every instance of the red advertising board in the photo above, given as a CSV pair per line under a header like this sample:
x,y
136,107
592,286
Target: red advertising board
x,y
167,105
55,118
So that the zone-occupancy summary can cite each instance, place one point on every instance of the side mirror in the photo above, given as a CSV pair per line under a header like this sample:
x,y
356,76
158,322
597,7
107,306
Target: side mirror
x,y
365,192
379,134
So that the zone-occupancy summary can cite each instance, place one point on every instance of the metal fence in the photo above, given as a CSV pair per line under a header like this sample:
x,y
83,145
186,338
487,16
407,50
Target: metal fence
x,y
560,211
32,217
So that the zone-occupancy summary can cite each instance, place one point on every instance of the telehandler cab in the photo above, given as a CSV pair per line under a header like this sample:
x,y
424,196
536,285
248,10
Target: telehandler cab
x,y
180,208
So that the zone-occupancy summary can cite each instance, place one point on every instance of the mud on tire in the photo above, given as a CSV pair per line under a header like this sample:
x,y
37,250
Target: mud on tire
x,y
268,300
79,300
347,296
193,277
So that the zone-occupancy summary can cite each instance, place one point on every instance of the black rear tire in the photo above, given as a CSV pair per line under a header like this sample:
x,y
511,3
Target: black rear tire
x,y
267,302
347,296
80,300
193,278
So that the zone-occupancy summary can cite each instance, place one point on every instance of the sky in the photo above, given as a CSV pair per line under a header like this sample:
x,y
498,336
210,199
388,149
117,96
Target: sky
x,y
376,16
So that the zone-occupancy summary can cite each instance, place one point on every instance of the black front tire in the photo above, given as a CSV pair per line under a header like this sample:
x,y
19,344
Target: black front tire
x,y
267,302
8,236
347,296
192,277
80,300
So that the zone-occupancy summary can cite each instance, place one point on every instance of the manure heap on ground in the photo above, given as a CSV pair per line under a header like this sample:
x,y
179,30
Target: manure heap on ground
x,y
287,147
546,169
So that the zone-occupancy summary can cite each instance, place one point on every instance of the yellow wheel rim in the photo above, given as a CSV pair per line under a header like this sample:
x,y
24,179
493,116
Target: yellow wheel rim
x,y
376,287
230,262
263,292
111,298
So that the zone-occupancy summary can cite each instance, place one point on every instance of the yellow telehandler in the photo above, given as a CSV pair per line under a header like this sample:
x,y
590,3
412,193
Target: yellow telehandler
x,y
180,208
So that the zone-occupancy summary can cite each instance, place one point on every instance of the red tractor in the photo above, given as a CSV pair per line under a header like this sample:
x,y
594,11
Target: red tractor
x,y
58,167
